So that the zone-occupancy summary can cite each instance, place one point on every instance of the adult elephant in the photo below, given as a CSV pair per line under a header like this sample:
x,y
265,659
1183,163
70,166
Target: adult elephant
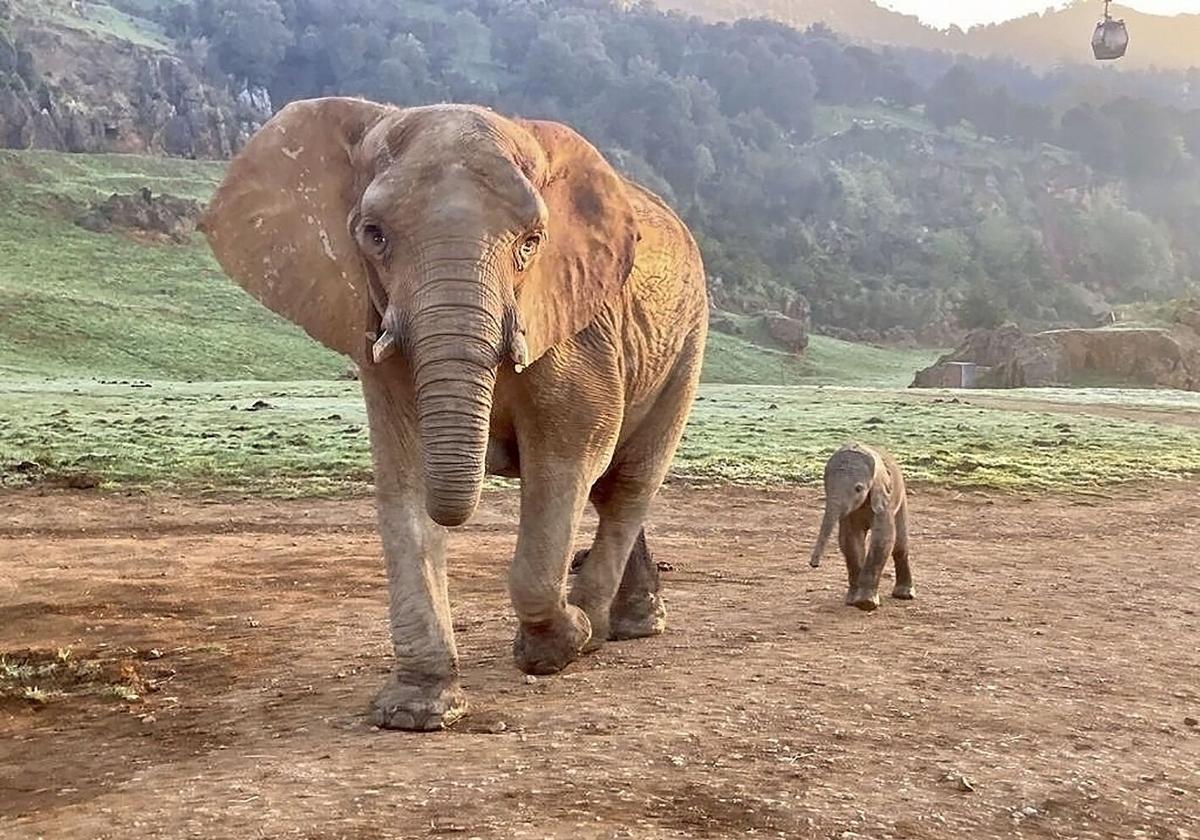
x,y
513,304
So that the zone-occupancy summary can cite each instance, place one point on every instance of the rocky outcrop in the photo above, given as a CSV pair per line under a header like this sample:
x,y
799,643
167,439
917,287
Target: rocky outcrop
x,y
72,90
143,212
790,332
722,323
1161,357
788,325
770,329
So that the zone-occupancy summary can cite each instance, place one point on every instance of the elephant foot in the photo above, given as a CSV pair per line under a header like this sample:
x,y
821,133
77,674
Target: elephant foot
x,y
549,647
865,601
418,704
637,618
904,592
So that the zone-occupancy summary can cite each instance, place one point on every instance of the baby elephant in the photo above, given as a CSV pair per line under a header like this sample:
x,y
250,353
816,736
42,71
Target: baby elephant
x,y
864,491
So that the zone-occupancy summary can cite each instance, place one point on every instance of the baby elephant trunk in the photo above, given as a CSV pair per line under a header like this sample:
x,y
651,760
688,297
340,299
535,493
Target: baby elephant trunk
x,y
827,522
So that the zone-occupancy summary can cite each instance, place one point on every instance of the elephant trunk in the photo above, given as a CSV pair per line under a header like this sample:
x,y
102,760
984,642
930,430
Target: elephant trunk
x,y
455,345
827,522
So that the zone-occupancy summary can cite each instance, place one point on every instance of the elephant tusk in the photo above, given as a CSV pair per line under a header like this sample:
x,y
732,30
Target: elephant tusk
x,y
519,351
384,346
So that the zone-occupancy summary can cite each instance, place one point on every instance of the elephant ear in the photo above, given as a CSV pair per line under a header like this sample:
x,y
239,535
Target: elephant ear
x,y
592,239
881,486
278,222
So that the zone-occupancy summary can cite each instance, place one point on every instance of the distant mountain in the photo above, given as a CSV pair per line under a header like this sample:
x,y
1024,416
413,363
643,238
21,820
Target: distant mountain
x,y
1045,39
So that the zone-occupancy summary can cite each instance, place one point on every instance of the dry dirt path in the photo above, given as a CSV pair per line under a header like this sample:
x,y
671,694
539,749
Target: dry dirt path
x,y
1051,659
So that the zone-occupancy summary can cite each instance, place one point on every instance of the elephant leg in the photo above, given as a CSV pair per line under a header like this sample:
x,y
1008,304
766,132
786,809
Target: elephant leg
x,y
622,511
423,691
852,541
637,610
552,633
904,588
618,582
865,595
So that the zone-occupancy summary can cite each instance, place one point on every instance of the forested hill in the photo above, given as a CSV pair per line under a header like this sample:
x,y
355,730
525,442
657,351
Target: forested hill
x,y
902,193
1040,39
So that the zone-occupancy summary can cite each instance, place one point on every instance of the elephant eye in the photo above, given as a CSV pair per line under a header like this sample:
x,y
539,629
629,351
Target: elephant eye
x,y
528,249
374,234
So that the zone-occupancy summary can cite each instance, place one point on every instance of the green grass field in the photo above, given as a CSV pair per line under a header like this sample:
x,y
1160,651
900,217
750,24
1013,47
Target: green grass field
x,y
132,364
310,438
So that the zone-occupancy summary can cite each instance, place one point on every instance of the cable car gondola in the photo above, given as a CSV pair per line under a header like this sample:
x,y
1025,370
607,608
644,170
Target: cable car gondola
x,y
1111,39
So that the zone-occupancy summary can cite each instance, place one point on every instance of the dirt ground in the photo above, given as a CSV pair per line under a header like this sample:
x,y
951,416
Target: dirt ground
x,y
1044,684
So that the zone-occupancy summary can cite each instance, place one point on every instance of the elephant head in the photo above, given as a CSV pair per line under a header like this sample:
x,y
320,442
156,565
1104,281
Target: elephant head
x,y
854,477
448,234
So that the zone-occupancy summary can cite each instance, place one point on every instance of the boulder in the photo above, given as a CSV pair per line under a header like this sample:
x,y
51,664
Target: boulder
x,y
790,332
1142,357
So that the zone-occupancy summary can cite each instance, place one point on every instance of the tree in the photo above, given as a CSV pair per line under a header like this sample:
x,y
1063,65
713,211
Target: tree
x,y
248,36
1094,135
979,309
953,97
883,224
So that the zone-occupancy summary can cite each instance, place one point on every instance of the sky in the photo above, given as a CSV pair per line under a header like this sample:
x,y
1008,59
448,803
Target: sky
x,y
942,13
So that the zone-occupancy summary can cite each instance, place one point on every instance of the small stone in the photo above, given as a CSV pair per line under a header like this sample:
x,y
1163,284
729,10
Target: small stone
x,y
497,727
676,760
148,719
1191,721
1029,811
155,653
530,679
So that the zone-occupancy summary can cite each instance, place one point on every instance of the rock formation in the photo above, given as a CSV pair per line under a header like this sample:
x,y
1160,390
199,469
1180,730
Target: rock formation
x,y
143,212
1160,357
85,92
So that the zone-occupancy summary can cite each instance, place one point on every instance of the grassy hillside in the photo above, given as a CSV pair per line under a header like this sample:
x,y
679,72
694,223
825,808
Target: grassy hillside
x,y
98,19
81,304
77,303
751,360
